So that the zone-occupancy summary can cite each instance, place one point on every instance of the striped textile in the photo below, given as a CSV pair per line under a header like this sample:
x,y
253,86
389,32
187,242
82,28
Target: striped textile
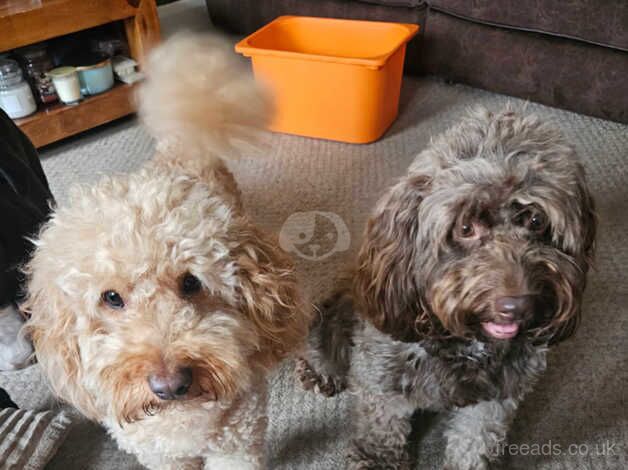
x,y
29,439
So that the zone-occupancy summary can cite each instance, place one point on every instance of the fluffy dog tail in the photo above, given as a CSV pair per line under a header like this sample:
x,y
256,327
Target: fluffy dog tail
x,y
198,100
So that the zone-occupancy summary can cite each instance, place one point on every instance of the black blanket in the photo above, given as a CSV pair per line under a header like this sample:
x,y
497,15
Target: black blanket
x,y
25,201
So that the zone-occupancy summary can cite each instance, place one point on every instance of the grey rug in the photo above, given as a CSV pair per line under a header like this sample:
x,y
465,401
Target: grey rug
x,y
577,418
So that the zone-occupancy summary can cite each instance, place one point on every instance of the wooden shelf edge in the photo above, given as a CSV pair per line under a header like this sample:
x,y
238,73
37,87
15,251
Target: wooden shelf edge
x,y
58,122
25,22
21,26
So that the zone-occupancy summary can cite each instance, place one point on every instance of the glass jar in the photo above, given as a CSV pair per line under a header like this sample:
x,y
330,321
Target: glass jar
x,y
16,97
36,64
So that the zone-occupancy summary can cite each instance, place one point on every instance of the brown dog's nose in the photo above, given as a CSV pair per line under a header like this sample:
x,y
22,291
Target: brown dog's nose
x,y
171,386
514,307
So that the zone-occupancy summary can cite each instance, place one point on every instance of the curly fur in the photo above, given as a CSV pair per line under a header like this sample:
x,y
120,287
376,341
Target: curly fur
x,y
139,235
446,242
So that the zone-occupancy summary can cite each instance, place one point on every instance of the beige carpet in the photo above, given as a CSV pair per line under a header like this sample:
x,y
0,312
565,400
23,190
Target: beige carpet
x,y
582,401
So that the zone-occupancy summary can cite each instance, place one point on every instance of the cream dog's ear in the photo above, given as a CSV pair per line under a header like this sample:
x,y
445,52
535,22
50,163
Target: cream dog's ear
x,y
52,328
270,295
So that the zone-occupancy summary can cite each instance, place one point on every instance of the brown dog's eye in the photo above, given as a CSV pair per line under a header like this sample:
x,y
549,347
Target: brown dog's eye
x,y
467,230
537,222
190,284
112,299
532,218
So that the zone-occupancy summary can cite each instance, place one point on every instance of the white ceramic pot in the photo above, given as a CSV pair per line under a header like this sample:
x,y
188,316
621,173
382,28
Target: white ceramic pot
x,y
66,82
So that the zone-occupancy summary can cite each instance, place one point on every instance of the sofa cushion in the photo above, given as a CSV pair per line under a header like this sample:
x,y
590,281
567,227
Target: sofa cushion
x,y
396,3
245,16
559,72
601,22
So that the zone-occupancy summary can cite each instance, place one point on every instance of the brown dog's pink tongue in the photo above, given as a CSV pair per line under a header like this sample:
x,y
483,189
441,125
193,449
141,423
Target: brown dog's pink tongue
x,y
501,331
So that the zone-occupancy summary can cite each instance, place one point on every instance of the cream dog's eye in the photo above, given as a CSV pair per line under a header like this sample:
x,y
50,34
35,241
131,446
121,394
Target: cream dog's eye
x,y
190,284
112,299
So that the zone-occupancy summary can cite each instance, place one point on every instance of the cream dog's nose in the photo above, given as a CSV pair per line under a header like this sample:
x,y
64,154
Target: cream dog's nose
x,y
171,386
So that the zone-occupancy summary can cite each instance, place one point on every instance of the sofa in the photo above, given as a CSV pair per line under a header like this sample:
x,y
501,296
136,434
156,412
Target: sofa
x,y
571,55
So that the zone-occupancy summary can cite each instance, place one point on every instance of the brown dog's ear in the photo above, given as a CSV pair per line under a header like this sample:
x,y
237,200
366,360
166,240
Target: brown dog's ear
x,y
52,328
384,284
566,323
565,331
567,320
588,222
270,294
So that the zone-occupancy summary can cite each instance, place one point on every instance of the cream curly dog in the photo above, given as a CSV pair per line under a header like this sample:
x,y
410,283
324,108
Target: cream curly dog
x,y
472,265
157,306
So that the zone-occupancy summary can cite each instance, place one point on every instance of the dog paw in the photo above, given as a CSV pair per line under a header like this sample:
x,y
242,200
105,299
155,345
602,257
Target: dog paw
x,y
311,380
15,350
359,459
467,463
230,462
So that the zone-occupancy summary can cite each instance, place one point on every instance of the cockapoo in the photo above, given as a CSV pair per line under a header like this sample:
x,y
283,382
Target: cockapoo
x,y
157,307
471,266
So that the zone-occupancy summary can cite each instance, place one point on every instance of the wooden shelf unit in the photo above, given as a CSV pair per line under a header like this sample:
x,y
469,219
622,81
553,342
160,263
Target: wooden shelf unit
x,y
24,22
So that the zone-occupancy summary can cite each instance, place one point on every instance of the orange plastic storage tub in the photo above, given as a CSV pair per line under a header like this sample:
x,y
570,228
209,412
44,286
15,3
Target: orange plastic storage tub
x,y
331,79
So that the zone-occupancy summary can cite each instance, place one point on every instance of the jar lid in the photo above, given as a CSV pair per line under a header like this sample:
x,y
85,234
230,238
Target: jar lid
x,y
94,66
86,60
10,73
60,72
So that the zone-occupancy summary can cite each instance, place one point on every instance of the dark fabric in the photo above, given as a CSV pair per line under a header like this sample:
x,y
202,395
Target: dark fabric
x,y
600,21
246,16
5,400
24,204
559,72
396,3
